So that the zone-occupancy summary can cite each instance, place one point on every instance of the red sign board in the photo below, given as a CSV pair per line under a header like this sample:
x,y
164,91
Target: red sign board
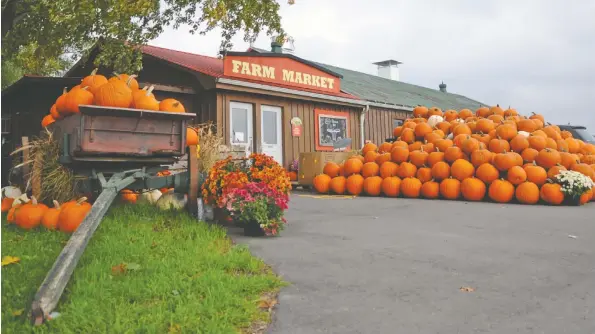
x,y
296,130
280,70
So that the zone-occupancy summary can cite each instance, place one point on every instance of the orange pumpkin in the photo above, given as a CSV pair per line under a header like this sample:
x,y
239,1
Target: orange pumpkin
x,y
355,184
191,136
487,173
418,158
408,136
422,129
385,147
506,131
353,166
440,171
145,101
424,174
51,217
370,156
369,147
130,80
473,189
292,176
391,186
54,112
128,196
322,183
505,161
443,144
337,185
60,103
399,154
382,158
527,193
516,175
450,188
29,215
498,145
47,120
536,174
331,169
548,158
462,169
501,191
453,153
552,172
373,185
485,125
93,81
11,216
529,154
171,105
370,169
527,125
551,193
73,214
583,169
451,115
519,143
420,111
77,96
410,187
430,190
115,93
480,157
388,169
406,169
461,129
465,113
434,158
586,197
7,203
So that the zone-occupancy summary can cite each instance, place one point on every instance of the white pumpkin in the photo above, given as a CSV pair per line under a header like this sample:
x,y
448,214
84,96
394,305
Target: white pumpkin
x,y
11,192
172,201
524,133
149,196
21,200
434,120
450,136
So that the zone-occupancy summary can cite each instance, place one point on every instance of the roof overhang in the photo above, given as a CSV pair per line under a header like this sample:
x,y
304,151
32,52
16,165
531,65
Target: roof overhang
x,y
48,81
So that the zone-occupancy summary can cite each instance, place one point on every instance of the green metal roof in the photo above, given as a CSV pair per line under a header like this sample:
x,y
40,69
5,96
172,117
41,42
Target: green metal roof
x,y
377,89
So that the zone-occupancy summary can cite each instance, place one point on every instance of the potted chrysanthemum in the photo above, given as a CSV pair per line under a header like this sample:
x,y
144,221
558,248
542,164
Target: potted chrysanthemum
x,y
574,185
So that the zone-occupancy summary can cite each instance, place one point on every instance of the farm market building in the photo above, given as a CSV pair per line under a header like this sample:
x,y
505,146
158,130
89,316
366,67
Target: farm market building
x,y
265,101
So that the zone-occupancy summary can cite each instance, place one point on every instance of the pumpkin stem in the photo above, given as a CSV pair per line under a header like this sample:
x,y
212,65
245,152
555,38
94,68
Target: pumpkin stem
x,y
176,104
145,88
94,72
33,200
56,204
116,74
129,80
85,88
150,90
65,91
81,200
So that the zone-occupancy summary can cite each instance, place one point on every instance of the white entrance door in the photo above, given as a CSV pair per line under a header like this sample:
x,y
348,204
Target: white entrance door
x,y
240,118
272,134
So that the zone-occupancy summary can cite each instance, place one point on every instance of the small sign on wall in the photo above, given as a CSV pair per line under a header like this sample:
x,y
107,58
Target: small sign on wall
x,y
296,127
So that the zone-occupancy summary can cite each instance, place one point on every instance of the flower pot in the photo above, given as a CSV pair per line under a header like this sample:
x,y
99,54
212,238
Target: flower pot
x,y
572,201
252,229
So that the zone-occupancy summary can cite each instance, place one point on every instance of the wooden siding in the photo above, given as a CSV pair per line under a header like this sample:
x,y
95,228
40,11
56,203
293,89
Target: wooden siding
x,y
378,125
292,146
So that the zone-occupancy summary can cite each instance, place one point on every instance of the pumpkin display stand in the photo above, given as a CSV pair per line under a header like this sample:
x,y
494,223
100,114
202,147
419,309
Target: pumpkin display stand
x,y
113,149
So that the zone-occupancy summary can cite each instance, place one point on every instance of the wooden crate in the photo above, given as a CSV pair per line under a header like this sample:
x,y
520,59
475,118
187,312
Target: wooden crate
x,y
312,164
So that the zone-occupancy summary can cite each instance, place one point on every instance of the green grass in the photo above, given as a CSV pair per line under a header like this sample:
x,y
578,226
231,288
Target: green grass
x,y
187,277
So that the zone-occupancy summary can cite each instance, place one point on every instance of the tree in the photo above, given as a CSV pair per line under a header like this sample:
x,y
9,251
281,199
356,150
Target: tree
x,y
36,34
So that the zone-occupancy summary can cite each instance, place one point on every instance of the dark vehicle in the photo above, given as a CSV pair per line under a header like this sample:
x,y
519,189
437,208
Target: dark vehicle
x,y
579,132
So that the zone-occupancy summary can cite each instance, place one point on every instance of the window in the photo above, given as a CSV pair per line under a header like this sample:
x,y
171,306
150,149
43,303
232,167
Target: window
x,y
397,122
6,124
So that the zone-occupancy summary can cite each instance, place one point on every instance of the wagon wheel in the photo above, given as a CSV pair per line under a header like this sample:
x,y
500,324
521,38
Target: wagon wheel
x,y
193,180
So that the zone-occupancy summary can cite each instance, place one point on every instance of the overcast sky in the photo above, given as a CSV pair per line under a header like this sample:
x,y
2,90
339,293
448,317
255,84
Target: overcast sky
x,y
534,55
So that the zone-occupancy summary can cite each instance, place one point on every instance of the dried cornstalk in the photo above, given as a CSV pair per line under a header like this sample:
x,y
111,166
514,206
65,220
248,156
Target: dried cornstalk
x,y
209,143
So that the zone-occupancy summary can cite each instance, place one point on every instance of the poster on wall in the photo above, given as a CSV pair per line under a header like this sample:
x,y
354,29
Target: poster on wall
x,y
331,126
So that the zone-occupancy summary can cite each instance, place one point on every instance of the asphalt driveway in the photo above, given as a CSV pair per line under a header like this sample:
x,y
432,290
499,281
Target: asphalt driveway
x,y
377,265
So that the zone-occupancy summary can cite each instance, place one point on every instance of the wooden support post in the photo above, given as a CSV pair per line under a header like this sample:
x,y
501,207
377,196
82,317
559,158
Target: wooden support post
x,y
26,157
51,289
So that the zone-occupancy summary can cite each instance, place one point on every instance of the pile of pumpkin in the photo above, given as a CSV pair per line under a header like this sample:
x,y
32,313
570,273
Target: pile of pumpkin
x,y
491,154
28,213
121,90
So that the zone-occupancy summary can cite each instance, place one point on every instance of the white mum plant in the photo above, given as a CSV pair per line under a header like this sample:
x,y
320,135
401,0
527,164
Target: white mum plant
x,y
574,184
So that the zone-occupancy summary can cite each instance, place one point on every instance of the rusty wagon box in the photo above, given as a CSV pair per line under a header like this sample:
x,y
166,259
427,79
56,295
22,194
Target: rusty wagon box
x,y
312,164
100,132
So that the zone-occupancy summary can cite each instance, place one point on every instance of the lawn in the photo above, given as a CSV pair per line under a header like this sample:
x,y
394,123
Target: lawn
x,y
144,271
